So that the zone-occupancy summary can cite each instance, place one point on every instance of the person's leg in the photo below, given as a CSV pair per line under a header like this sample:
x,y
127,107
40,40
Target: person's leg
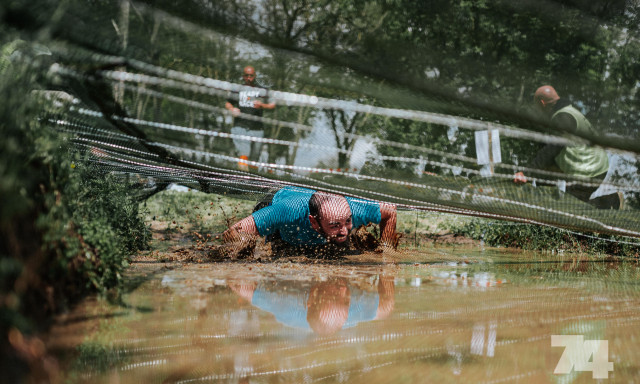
x,y
256,146
266,200
584,192
242,146
221,145
247,146
611,201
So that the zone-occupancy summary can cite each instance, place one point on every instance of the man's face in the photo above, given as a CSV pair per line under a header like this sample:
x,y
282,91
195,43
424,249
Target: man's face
x,y
335,221
249,76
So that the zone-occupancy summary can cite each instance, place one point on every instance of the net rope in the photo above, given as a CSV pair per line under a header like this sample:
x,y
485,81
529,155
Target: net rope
x,y
162,121
197,84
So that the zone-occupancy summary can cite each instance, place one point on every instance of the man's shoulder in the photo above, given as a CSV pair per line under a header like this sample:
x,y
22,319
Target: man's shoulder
x,y
568,118
564,119
260,83
292,191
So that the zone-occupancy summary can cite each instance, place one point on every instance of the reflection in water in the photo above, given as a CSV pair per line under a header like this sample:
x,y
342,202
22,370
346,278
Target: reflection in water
x,y
489,319
324,307
480,338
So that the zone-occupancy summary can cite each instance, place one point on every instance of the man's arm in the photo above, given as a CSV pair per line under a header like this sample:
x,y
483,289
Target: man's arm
x,y
234,111
388,220
244,226
386,293
545,158
260,104
565,122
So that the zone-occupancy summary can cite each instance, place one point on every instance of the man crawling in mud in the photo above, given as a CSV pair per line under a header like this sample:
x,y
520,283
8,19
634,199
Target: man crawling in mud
x,y
306,218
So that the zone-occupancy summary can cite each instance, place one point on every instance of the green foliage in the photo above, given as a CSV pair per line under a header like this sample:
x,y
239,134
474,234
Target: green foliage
x,y
107,197
543,238
524,236
481,59
91,224
66,230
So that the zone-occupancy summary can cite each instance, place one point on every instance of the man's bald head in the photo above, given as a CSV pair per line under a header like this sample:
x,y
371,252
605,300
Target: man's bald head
x,y
330,215
545,97
249,75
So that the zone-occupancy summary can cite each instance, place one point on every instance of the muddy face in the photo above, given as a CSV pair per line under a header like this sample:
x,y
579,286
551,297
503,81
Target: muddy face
x,y
334,220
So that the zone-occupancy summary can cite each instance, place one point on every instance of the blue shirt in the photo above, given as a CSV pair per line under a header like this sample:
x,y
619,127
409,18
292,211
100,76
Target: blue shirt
x,y
289,214
290,307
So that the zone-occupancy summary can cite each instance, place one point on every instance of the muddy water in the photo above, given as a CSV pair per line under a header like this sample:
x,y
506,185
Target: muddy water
x,y
440,316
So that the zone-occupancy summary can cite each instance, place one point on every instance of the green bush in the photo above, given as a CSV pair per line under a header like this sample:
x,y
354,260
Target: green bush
x,y
65,229
91,228
543,238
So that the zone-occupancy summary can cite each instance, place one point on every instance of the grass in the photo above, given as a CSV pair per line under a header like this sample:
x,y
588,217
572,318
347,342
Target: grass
x,y
428,222
543,238
176,216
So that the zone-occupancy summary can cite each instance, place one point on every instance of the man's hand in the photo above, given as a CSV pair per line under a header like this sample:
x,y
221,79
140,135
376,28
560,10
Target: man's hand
x,y
242,229
235,112
260,104
389,245
238,244
519,178
231,235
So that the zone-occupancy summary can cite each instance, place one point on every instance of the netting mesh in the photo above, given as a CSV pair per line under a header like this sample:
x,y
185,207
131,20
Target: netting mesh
x,y
143,91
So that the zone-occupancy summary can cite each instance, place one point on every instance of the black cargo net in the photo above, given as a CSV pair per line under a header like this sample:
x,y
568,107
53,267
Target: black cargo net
x,y
158,95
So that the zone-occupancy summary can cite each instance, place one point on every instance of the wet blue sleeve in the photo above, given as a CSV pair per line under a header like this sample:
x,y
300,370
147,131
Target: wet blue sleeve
x,y
364,211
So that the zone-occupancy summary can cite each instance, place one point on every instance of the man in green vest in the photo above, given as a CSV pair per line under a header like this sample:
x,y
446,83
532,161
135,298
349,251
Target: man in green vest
x,y
579,160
